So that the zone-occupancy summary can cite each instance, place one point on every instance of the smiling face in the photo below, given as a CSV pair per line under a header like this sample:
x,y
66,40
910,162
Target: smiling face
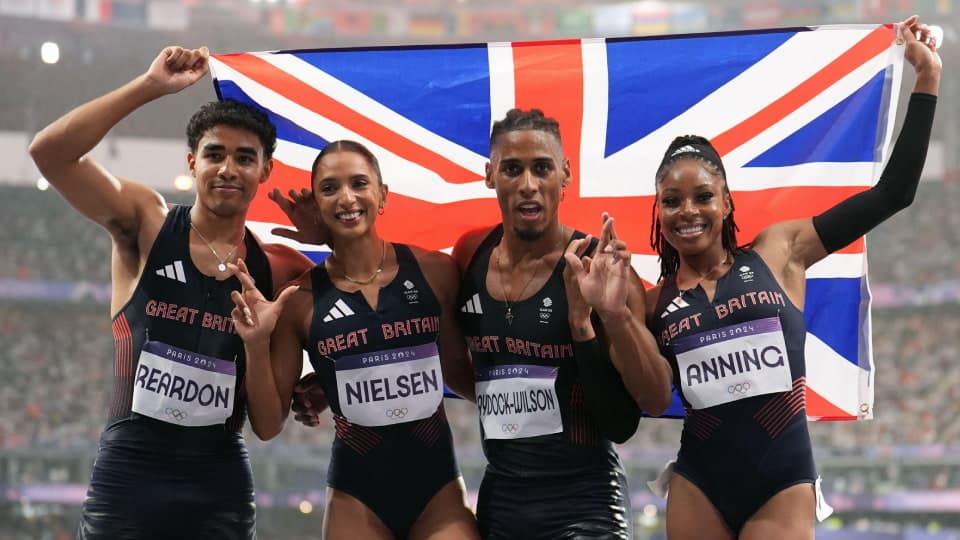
x,y
692,202
528,171
348,192
228,167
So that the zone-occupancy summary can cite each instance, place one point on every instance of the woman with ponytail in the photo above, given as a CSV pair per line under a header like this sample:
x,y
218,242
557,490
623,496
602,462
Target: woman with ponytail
x,y
745,466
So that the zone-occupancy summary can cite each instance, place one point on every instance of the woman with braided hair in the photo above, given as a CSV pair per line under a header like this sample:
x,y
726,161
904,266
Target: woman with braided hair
x,y
742,306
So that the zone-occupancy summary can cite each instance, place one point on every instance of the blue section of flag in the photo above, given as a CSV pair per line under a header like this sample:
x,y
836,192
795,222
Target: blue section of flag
x,y
287,130
316,256
445,90
672,75
832,313
846,133
675,409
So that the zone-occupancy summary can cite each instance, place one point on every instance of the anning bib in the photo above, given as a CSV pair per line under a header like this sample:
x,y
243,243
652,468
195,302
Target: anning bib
x,y
390,387
734,362
182,387
517,401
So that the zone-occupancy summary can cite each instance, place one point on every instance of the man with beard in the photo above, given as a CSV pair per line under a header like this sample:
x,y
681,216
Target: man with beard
x,y
562,359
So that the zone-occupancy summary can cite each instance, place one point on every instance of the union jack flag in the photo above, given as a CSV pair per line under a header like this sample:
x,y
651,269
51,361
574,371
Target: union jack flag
x,y
801,116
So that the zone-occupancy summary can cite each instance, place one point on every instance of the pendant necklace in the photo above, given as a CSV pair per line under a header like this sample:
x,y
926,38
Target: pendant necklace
x,y
223,261
369,280
508,313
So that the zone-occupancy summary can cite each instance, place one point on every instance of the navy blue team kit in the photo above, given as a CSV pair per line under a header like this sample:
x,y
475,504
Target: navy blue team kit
x,y
172,445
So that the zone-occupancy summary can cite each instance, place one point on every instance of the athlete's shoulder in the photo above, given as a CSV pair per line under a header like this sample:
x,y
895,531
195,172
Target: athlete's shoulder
x,y
430,256
652,297
438,267
467,245
286,263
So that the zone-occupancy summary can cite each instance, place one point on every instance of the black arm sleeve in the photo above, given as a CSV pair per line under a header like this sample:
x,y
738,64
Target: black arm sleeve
x,y
611,406
854,217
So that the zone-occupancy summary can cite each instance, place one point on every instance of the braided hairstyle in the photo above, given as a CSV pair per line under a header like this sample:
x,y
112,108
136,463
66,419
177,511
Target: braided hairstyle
x,y
517,119
700,149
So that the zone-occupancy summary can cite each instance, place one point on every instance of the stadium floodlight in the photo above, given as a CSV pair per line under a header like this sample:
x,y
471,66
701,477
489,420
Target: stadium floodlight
x,y
50,52
183,182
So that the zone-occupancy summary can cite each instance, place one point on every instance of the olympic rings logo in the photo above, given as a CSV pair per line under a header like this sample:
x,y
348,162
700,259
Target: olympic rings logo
x,y
739,388
509,428
175,413
396,413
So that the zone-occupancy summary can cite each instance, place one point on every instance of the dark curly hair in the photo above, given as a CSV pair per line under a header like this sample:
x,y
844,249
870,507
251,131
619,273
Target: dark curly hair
x,y
235,114
700,149
518,119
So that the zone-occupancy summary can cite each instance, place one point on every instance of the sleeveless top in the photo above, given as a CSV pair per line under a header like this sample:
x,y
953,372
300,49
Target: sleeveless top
x,y
179,363
534,419
380,368
738,360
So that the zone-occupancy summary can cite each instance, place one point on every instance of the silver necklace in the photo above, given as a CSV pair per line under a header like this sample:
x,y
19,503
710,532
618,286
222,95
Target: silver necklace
x,y
369,280
508,313
222,260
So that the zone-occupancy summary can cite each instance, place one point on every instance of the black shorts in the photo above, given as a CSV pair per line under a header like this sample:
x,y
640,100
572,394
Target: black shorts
x,y
139,491
594,505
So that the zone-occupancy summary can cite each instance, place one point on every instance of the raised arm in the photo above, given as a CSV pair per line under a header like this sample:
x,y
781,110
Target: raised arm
x,y
60,149
272,334
616,296
791,247
444,278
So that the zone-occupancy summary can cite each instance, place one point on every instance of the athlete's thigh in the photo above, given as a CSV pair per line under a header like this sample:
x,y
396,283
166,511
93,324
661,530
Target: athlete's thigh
x,y
691,515
346,518
788,515
446,516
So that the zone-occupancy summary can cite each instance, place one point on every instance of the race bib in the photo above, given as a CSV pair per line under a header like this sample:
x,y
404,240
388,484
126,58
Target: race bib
x,y
390,387
182,387
517,401
734,362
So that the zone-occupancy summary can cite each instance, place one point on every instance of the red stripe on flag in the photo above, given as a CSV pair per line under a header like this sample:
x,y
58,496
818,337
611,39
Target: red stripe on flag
x,y
261,71
408,219
871,45
540,69
819,407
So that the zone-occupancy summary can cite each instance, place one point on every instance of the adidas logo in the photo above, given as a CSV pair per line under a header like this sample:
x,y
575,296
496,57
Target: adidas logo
x,y
677,303
339,310
685,149
173,271
473,305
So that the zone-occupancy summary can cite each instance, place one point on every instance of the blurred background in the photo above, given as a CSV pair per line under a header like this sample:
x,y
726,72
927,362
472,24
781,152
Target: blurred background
x,y
896,477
